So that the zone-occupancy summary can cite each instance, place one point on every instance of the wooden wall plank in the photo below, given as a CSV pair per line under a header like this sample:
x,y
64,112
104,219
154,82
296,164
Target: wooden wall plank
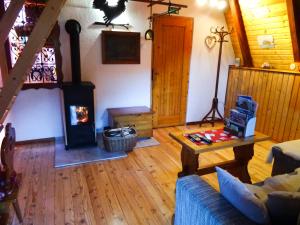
x,y
271,106
229,93
250,85
263,86
264,103
280,104
284,114
291,109
245,83
234,86
239,84
253,88
276,93
295,119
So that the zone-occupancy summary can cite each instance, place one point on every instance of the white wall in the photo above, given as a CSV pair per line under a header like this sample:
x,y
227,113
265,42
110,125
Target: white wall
x,y
116,85
36,114
122,85
203,68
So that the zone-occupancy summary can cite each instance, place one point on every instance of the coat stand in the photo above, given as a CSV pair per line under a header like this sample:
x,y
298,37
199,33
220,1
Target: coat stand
x,y
211,116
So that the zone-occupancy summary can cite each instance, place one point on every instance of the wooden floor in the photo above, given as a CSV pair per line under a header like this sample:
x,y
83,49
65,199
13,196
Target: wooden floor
x,y
138,189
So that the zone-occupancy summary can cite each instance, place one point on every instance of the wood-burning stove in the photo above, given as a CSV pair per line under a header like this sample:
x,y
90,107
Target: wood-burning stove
x,y
78,98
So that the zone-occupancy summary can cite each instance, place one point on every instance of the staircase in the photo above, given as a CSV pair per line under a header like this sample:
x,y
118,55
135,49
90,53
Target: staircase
x,y
11,81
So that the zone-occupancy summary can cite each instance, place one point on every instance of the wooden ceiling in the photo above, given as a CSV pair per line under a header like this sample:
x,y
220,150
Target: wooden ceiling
x,y
160,2
282,26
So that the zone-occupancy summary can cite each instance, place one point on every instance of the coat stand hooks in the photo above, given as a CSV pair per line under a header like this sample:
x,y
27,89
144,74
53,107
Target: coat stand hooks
x,y
211,116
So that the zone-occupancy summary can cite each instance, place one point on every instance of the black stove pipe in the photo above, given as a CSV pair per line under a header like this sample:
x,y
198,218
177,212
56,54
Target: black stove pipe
x,y
73,28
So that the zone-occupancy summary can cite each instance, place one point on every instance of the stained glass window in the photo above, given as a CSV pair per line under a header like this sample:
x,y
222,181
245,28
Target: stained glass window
x,y
44,70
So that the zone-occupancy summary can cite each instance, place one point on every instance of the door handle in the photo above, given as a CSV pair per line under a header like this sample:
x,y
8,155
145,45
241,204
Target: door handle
x,y
153,75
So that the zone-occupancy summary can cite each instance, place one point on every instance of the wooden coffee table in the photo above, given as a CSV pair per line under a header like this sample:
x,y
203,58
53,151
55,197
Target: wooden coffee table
x,y
242,148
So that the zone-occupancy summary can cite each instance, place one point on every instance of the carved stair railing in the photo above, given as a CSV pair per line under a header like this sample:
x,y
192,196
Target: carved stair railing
x,y
11,81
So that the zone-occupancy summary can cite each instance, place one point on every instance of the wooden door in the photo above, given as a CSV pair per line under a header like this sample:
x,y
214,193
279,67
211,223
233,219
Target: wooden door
x,y
172,46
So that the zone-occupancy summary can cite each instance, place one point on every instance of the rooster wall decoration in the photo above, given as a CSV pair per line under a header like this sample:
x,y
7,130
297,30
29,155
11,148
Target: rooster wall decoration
x,y
110,12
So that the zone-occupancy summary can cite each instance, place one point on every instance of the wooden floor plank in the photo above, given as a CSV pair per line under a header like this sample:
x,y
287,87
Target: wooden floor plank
x,y
68,200
31,201
50,189
76,192
94,195
111,207
59,206
139,189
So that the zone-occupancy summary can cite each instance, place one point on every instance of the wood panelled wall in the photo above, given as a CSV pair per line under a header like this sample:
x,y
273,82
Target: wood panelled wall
x,y
275,23
278,97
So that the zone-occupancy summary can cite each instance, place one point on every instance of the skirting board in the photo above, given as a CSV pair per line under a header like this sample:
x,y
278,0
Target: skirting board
x,y
41,140
198,122
35,141
52,139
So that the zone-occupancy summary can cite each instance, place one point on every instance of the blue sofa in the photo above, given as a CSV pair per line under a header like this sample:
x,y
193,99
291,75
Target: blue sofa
x,y
197,203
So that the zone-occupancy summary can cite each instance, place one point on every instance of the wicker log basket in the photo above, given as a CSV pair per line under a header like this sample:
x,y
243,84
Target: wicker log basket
x,y
120,139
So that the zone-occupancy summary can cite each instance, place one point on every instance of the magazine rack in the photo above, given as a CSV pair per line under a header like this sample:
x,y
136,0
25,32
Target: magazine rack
x,y
250,127
242,119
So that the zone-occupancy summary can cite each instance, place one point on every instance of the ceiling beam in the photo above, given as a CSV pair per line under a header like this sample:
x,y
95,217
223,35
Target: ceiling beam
x,y
9,18
153,3
293,14
158,2
239,28
3,56
3,65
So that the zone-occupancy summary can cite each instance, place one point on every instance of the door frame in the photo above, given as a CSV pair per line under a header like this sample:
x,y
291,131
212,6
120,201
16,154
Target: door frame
x,y
152,71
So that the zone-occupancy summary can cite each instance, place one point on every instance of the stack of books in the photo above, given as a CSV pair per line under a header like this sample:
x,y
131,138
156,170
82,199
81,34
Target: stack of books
x,y
242,119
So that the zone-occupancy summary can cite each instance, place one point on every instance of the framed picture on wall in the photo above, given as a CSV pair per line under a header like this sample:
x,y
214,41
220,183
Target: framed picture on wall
x,y
120,47
265,41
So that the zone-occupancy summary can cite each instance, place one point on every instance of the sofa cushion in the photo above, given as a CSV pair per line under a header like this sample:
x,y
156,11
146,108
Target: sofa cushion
x,y
284,207
239,196
258,191
285,182
290,148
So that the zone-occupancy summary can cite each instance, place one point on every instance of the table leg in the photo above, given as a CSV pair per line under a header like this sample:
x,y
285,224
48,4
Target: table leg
x,y
17,210
189,162
243,154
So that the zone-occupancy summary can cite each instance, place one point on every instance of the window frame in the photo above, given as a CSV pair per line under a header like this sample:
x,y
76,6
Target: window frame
x,y
53,39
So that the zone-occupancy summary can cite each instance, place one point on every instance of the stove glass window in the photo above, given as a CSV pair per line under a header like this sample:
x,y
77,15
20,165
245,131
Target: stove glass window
x,y
79,114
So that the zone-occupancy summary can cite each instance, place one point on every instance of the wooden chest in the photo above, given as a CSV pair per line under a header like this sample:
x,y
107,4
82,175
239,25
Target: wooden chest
x,y
140,117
